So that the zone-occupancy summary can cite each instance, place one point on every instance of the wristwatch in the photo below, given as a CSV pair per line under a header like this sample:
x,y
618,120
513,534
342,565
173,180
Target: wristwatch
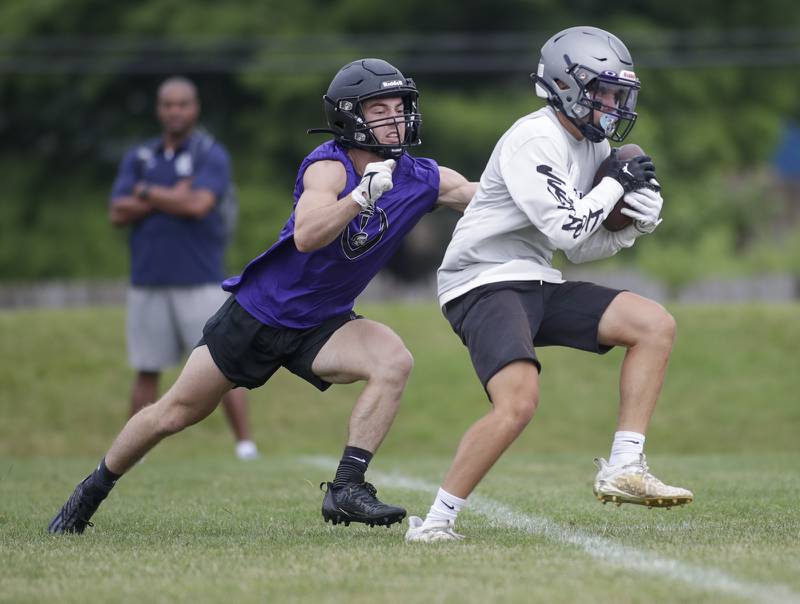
x,y
144,192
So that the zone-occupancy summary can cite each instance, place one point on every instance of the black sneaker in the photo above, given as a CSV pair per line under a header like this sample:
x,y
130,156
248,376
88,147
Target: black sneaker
x,y
74,516
357,502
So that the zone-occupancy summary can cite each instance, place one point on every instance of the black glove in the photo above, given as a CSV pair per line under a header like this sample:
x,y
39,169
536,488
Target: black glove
x,y
633,173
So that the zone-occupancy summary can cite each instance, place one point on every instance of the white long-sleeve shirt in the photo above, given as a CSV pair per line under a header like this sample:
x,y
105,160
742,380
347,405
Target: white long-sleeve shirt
x,y
535,196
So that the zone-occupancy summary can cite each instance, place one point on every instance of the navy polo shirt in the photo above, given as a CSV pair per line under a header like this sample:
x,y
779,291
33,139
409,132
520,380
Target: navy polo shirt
x,y
168,249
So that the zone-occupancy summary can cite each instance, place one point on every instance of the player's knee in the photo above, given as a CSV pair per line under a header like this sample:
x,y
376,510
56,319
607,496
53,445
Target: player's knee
x,y
174,417
662,328
652,326
404,363
526,409
172,423
394,366
519,410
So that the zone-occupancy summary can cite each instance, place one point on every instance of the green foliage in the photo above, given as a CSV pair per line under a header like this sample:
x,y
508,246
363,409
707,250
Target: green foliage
x,y
261,69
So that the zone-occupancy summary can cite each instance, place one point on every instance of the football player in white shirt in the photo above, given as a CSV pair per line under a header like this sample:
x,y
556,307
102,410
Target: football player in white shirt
x,y
502,296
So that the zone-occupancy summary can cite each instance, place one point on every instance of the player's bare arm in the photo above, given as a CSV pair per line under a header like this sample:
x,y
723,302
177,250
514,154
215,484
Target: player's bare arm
x,y
320,216
455,191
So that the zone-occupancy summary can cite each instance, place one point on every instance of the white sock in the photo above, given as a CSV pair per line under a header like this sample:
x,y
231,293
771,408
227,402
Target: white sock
x,y
246,450
445,507
626,448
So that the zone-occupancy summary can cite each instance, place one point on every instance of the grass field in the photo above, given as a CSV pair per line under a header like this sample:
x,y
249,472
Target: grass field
x,y
192,524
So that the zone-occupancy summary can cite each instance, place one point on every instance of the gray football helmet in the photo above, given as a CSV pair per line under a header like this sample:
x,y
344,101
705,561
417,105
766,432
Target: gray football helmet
x,y
582,65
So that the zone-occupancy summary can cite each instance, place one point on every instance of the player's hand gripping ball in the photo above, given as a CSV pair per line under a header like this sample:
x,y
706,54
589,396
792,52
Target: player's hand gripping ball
x,y
633,169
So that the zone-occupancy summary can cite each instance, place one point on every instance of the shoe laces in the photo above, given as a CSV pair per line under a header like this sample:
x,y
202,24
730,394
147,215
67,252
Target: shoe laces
x,y
641,466
78,508
363,491
641,463
358,488
448,528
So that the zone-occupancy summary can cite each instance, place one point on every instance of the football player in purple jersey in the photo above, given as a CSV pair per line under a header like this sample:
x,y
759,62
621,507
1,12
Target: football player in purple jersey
x,y
356,197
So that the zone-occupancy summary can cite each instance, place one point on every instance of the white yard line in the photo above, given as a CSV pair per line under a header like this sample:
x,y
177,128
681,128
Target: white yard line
x,y
605,550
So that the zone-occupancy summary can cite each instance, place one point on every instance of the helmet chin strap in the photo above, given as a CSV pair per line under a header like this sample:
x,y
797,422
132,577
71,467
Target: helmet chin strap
x,y
592,132
391,152
588,129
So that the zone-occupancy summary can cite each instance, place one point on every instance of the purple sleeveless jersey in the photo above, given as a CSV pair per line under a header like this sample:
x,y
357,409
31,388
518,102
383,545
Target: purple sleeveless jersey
x,y
287,288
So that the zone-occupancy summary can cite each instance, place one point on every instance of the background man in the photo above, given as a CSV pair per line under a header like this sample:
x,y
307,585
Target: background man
x,y
174,191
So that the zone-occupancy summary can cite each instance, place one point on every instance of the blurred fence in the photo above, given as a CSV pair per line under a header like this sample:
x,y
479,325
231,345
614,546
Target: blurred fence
x,y
385,287
422,53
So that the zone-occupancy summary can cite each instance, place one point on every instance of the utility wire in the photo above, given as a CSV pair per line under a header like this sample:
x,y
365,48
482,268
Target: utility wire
x,y
454,53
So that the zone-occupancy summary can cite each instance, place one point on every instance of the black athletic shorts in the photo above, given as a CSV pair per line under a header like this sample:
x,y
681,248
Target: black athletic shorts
x,y
503,322
249,352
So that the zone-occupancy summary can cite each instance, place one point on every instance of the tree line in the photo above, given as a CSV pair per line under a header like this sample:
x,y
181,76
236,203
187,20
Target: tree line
x,y
79,77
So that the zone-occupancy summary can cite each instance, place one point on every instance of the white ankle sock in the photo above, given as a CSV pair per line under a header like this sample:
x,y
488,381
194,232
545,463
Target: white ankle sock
x,y
445,507
626,448
246,450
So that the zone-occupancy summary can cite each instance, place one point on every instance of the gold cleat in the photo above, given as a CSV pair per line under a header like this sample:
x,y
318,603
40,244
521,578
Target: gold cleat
x,y
633,483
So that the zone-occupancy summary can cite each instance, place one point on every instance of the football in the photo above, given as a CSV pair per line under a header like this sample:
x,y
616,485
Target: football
x,y
616,220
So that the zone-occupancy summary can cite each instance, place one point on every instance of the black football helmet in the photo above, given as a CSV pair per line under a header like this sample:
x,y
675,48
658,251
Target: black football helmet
x,y
357,82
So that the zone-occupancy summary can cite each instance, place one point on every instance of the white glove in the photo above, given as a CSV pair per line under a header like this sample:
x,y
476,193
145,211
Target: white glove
x,y
645,208
376,181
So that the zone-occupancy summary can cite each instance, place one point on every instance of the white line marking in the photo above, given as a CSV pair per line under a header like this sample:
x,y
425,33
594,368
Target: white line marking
x,y
605,550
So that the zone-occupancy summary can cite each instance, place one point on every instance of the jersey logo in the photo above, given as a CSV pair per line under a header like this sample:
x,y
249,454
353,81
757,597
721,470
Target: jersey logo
x,y
556,186
363,233
572,223
579,224
184,165
146,157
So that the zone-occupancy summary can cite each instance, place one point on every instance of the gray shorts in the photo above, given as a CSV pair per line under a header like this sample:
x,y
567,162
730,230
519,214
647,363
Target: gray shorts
x,y
504,322
164,323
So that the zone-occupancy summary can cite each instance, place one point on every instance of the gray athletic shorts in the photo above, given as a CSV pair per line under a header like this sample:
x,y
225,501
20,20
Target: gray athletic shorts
x,y
504,322
164,323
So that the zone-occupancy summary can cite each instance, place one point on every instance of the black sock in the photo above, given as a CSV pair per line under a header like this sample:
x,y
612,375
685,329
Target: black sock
x,y
352,466
103,479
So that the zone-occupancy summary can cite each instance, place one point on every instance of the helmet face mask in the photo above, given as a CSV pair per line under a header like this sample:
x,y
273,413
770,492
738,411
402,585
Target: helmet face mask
x,y
364,80
622,90
583,70
364,136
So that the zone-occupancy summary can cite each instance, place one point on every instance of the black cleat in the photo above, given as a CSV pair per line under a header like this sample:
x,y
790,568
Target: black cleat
x,y
75,514
357,502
